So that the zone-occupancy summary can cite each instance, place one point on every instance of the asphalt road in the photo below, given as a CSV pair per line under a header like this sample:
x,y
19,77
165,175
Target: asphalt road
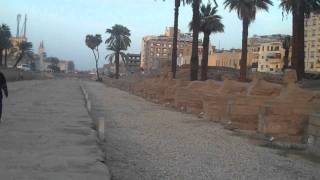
x,y
47,135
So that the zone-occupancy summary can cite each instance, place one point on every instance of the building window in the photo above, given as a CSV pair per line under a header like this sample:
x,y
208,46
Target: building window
x,y
277,48
261,66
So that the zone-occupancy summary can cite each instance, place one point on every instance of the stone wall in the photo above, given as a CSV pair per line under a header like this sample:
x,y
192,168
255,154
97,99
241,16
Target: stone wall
x,y
278,110
314,134
16,75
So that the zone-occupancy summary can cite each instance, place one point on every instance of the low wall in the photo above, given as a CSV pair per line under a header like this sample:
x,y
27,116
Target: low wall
x,y
17,75
278,110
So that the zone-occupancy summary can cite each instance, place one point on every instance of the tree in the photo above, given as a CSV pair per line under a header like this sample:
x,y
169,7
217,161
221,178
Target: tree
x,y
209,23
93,43
118,41
111,57
5,43
25,48
286,44
194,62
246,10
299,9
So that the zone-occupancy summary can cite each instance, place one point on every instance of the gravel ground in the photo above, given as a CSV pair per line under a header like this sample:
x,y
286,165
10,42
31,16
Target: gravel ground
x,y
148,141
46,134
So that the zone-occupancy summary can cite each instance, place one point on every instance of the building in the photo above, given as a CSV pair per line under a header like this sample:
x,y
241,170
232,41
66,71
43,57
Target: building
x,y
312,43
156,51
42,65
133,62
226,58
267,52
64,66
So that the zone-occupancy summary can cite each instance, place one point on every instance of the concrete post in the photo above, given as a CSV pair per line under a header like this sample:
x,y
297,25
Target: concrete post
x,y
89,105
101,129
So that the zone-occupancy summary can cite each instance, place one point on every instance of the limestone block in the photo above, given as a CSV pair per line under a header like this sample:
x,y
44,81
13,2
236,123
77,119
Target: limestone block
x,y
234,87
264,88
216,106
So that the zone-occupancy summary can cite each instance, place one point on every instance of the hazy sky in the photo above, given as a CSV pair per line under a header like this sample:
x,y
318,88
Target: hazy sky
x,y
63,24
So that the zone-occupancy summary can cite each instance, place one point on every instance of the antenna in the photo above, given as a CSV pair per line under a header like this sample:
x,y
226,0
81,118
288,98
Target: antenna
x,y
18,24
25,26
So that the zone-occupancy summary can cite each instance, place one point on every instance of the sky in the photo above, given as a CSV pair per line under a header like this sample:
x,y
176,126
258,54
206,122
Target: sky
x,y
63,24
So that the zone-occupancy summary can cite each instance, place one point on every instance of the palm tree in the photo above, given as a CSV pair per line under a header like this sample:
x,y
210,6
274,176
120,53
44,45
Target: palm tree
x,y
25,48
118,41
286,44
177,5
122,55
299,9
209,23
93,42
5,43
194,62
246,10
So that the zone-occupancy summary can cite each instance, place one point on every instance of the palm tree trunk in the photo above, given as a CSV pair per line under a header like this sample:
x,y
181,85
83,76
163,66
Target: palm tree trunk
x,y
286,59
1,55
96,59
294,38
205,56
98,76
300,65
194,57
18,60
243,62
117,64
5,58
175,39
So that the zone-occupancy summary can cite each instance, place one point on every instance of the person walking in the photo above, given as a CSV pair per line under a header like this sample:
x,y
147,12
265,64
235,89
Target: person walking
x,y
4,88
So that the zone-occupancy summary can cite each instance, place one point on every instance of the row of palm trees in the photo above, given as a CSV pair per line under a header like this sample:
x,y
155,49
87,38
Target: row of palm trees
x,y
118,41
24,48
206,21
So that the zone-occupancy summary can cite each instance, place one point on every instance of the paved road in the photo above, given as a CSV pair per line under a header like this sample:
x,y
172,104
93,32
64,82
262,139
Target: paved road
x,y
147,141
46,134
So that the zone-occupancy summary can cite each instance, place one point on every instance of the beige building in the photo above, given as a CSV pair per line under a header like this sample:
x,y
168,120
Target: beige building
x,y
312,43
156,51
267,52
225,58
269,56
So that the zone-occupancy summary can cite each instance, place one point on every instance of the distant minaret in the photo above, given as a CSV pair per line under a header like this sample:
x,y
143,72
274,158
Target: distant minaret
x,y
42,55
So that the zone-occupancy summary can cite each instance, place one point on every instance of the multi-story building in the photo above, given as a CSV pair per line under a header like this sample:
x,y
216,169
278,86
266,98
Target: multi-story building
x,y
156,51
267,52
133,62
312,43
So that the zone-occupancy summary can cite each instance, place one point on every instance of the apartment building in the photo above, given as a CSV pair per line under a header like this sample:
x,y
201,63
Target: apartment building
x,y
156,51
312,43
267,52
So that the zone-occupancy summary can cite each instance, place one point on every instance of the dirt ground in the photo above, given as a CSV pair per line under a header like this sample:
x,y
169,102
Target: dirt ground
x,y
148,141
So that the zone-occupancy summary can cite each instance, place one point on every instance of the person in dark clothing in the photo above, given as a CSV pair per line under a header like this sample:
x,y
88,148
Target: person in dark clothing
x,y
4,88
